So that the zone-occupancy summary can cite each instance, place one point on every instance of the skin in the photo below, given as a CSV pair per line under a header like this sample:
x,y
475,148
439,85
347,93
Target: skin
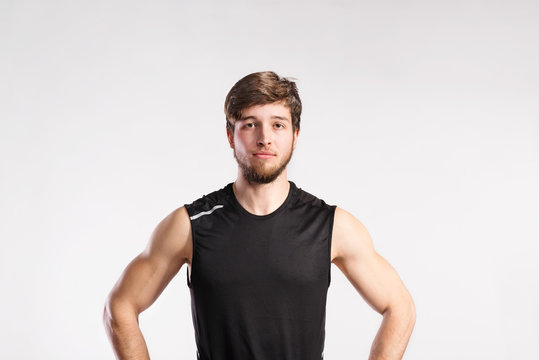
x,y
262,128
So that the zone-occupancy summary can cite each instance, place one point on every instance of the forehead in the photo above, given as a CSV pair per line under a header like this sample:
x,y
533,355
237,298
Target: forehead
x,y
276,109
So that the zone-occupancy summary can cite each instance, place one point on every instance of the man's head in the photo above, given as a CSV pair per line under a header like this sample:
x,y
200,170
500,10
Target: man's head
x,y
263,113
262,88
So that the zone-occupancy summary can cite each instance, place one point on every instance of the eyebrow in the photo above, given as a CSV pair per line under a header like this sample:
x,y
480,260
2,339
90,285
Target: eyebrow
x,y
273,117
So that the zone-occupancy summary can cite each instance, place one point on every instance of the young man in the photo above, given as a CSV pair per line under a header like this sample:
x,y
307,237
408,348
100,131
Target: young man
x,y
259,252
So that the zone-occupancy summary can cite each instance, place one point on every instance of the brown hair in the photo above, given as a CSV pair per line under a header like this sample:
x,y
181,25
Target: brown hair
x,y
262,88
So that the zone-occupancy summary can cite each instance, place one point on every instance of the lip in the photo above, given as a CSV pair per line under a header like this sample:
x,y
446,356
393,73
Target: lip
x,y
264,155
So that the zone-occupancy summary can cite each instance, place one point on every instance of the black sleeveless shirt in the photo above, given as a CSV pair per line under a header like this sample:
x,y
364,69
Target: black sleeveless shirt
x,y
259,283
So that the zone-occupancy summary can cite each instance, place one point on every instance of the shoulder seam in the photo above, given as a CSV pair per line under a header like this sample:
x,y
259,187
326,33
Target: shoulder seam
x,y
202,213
312,202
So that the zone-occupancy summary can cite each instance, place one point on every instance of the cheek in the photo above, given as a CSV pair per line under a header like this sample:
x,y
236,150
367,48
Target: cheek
x,y
240,142
287,142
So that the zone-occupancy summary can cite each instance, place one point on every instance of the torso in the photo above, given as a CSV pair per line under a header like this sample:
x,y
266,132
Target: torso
x,y
189,258
257,276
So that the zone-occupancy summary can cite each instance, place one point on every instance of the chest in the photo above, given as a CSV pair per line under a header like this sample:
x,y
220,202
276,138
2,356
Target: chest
x,y
281,253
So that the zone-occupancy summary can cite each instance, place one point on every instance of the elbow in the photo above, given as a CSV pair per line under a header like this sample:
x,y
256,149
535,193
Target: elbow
x,y
408,310
404,310
411,313
107,316
118,313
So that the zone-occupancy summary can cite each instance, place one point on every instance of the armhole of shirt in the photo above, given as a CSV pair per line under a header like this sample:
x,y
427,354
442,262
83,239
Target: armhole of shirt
x,y
189,283
330,238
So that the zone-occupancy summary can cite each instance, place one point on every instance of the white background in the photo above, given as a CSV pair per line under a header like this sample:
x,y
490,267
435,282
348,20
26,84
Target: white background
x,y
421,118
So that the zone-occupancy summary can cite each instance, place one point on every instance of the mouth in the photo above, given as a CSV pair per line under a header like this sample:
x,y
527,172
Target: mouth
x,y
263,155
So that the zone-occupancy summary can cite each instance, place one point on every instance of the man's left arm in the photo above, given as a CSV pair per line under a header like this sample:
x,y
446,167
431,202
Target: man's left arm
x,y
377,282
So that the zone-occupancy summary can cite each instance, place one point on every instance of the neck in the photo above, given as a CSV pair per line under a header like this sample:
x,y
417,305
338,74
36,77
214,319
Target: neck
x,y
261,199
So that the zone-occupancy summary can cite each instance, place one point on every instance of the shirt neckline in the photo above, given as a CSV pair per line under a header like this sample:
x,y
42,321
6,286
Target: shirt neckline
x,y
283,206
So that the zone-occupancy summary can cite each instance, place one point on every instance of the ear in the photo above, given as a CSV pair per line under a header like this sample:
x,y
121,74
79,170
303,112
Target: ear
x,y
295,141
230,137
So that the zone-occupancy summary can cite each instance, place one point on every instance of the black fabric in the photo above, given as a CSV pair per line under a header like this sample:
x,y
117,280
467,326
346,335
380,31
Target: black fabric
x,y
259,283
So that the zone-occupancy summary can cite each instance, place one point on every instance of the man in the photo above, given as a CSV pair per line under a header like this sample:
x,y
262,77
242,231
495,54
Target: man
x,y
259,252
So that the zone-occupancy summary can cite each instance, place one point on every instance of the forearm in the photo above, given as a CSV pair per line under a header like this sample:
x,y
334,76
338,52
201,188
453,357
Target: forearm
x,y
125,336
395,331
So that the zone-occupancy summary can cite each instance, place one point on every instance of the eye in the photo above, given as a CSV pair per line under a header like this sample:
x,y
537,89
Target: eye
x,y
279,125
249,125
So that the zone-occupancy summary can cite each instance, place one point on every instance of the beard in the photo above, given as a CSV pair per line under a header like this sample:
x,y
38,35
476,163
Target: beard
x,y
259,173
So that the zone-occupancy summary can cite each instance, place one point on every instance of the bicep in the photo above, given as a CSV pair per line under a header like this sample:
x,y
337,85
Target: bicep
x,y
370,274
147,275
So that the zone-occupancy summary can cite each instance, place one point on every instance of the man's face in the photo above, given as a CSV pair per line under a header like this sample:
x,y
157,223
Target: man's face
x,y
263,141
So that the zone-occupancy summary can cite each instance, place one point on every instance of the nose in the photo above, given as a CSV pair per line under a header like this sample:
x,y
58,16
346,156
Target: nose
x,y
264,136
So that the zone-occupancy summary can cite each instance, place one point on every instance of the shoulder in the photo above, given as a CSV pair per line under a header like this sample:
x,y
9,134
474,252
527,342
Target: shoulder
x,y
209,201
171,237
306,198
350,237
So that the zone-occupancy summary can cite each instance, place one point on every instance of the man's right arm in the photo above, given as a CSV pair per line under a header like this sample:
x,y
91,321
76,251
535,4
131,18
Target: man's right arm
x,y
142,282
